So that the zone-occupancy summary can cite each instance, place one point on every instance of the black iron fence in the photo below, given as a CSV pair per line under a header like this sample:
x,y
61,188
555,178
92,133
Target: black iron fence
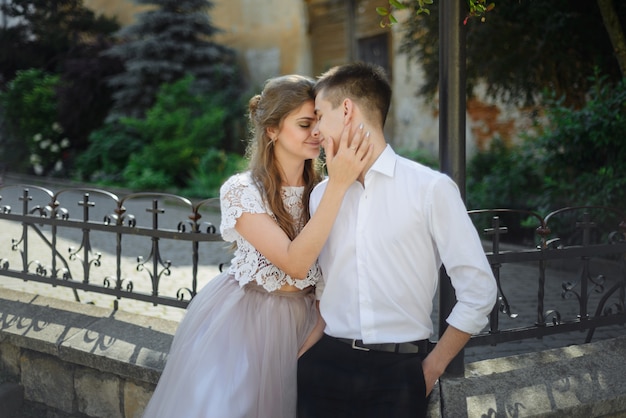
x,y
141,227
588,243
159,231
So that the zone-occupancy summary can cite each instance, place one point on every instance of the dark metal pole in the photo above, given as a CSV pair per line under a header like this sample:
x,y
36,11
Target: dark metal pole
x,y
451,129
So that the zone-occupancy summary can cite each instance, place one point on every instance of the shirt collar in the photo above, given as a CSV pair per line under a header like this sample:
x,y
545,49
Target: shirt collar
x,y
386,162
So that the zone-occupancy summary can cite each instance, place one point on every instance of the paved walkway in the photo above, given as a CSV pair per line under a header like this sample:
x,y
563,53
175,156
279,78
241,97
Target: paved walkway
x,y
519,281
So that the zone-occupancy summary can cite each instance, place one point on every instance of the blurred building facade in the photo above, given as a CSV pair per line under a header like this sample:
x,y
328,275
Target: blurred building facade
x,y
307,37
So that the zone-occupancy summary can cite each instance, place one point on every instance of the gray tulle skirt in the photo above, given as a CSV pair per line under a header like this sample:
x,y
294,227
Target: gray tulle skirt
x,y
235,354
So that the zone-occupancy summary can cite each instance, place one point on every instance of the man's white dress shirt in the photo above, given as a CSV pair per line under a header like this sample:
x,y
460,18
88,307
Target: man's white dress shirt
x,y
380,265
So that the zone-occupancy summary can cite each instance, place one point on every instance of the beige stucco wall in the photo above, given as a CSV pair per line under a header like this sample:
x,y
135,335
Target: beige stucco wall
x,y
414,120
270,37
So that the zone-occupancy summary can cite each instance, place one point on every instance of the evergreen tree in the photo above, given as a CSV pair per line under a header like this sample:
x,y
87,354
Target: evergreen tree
x,y
168,42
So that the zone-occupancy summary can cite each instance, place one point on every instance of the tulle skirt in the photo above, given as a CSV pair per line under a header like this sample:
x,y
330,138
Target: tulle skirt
x,y
235,354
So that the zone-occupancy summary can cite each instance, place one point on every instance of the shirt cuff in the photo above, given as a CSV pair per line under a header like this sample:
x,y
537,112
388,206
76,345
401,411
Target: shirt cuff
x,y
468,319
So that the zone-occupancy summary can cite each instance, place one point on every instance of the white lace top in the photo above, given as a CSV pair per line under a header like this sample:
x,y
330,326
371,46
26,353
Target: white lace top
x,y
239,194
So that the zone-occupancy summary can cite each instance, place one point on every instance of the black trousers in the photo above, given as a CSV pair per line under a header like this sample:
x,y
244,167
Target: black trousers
x,y
337,381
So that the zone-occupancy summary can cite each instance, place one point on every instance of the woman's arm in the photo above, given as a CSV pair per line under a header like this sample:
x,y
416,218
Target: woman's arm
x,y
296,257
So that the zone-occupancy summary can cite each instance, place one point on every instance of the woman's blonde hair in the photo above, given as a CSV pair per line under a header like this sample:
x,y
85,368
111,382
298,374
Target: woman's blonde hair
x,y
280,96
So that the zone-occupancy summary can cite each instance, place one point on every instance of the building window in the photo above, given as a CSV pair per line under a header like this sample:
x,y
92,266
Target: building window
x,y
375,50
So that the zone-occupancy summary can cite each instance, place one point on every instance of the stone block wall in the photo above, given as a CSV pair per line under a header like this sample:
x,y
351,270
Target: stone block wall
x,y
84,361
81,360
69,389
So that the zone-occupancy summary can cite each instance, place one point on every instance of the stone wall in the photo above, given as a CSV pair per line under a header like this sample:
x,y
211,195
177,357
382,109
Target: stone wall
x,y
85,361
81,359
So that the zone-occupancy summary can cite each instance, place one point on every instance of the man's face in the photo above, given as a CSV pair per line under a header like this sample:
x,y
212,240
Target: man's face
x,y
330,122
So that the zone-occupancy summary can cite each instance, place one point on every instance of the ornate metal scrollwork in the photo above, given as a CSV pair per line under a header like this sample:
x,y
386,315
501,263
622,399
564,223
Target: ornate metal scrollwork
x,y
554,315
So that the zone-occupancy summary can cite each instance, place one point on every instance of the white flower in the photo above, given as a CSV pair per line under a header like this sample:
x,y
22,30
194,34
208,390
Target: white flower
x,y
38,169
44,144
55,148
56,127
37,137
35,159
65,143
58,166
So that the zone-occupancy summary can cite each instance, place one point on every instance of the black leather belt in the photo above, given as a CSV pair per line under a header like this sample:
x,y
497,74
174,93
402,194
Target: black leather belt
x,y
411,347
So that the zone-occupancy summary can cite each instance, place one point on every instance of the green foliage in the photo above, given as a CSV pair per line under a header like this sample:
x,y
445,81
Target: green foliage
x,y
45,34
107,155
65,38
30,102
477,8
504,176
139,177
214,167
420,156
524,47
578,160
179,139
176,131
583,152
30,106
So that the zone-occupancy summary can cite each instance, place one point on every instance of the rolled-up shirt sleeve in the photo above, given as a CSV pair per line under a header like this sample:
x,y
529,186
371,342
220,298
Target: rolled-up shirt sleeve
x,y
463,257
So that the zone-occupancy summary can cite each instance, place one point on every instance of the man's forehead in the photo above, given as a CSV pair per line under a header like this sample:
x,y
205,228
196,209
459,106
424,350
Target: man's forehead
x,y
320,101
318,105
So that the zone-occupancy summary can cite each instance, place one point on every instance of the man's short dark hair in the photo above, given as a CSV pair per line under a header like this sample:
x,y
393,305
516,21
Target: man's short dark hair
x,y
365,84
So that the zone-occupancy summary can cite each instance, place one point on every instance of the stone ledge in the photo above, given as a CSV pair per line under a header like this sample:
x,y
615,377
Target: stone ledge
x,y
131,346
87,345
577,381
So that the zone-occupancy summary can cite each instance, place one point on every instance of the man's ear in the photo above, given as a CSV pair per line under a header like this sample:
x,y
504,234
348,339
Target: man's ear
x,y
348,110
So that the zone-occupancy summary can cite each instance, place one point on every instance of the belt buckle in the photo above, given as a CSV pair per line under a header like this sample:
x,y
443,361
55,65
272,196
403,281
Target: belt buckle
x,y
356,347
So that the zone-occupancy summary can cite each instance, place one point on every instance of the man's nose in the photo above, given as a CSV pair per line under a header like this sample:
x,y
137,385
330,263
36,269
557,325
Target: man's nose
x,y
315,133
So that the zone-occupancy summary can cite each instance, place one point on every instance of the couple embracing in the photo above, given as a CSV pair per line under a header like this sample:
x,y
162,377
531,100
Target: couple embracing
x,y
325,309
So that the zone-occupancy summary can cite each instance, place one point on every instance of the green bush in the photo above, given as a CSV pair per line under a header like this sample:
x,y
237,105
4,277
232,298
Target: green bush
x,y
577,159
37,142
177,145
420,156
176,131
503,176
215,166
583,151
107,155
146,178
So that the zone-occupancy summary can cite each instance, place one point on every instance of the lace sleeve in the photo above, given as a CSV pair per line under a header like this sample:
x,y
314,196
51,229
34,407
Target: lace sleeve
x,y
238,195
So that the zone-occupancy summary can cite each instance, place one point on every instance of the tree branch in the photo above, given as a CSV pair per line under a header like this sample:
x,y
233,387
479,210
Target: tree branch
x,y
616,34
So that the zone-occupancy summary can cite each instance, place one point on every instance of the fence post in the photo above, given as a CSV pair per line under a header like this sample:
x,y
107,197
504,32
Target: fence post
x,y
452,106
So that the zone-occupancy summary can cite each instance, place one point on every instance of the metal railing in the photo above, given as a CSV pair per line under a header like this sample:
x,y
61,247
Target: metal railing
x,y
44,217
591,250
586,239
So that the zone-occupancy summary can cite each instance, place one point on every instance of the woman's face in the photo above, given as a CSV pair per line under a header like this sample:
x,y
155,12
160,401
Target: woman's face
x,y
294,139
